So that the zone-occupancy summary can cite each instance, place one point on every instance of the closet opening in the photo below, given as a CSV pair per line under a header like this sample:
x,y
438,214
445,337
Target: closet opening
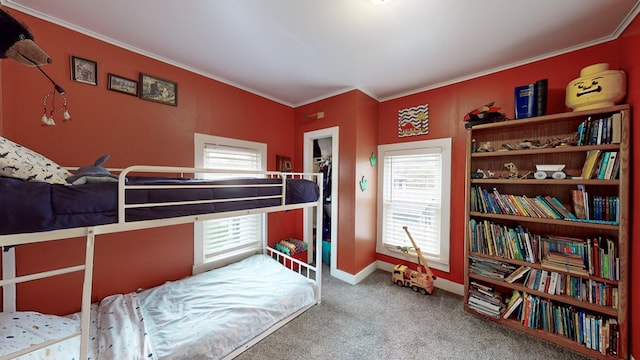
x,y
321,155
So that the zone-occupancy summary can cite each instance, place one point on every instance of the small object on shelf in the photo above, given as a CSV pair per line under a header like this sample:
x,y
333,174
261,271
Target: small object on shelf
x,y
553,171
486,147
483,115
513,170
597,87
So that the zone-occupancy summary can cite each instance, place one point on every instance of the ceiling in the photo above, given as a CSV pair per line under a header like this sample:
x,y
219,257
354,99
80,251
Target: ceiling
x,y
299,51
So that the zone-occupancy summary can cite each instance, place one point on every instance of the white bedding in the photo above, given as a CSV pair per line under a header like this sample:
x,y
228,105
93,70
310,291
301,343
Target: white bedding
x,y
231,306
205,316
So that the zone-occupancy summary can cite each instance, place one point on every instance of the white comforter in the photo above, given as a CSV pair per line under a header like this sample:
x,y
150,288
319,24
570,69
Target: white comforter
x,y
230,307
205,316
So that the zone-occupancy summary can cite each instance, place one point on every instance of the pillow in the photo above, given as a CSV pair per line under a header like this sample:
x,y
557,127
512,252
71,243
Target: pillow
x,y
20,162
18,330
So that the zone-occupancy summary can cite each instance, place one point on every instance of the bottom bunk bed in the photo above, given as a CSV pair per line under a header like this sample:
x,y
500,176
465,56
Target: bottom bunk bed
x,y
213,315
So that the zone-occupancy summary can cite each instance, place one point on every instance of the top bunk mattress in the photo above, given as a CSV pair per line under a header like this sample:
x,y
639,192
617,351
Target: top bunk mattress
x,y
27,207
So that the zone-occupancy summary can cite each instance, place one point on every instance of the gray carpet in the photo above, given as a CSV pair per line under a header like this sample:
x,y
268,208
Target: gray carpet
x,y
378,320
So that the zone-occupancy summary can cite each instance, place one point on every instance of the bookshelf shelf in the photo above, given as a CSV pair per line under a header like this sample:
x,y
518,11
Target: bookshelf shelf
x,y
557,150
578,227
559,298
536,265
528,219
548,182
557,339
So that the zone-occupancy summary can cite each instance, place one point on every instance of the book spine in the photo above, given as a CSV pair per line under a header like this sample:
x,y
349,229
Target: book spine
x,y
541,87
524,101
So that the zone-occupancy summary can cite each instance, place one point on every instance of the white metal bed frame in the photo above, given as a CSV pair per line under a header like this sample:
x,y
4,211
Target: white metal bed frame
x,y
313,272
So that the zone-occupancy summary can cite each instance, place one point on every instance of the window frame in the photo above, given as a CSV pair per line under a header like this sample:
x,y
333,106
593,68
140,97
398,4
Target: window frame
x,y
444,147
202,262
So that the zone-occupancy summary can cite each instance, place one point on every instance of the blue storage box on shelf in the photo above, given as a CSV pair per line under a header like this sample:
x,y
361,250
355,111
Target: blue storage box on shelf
x,y
326,252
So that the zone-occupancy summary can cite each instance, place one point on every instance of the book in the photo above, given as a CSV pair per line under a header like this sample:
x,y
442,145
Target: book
x,y
590,164
542,285
517,274
553,283
585,201
616,128
525,101
578,203
604,161
565,212
541,96
513,304
547,208
611,163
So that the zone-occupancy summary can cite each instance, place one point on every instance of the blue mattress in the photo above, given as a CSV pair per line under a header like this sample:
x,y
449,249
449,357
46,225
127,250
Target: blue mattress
x,y
27,207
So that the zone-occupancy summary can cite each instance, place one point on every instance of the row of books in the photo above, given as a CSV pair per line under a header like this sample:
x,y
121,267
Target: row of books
x,y
517,243
545,207
597,255
602,165
485,300
490,268
594,331
564,253
595,208
555,283
603,258
596,131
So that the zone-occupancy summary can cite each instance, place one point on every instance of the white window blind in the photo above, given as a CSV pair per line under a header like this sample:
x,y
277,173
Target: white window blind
x,y
229,234
226,238
415,193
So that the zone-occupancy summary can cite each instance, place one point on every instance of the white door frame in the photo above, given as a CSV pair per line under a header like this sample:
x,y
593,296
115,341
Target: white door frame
x,y
332,133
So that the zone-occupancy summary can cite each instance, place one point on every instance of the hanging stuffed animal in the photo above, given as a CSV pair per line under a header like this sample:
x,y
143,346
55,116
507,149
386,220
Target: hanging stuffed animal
x,y
16,42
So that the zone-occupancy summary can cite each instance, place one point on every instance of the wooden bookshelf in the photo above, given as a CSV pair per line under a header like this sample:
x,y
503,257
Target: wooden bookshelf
x,y
611,224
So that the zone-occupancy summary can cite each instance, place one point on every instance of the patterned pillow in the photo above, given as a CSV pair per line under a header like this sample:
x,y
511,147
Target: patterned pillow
x,y
20,162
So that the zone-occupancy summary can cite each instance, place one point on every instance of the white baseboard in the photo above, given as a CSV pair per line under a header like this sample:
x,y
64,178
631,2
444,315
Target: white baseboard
x,y
354,279
440,283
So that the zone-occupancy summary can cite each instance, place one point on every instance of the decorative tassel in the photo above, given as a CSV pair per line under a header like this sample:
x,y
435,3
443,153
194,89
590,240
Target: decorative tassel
x,y
48,119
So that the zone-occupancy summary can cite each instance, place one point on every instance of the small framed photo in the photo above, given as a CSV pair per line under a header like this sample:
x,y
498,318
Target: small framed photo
x,y
160,90
283,163
121,84
84,71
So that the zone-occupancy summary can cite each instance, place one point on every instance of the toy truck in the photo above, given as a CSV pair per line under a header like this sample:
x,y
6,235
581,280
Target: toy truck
x,y
416,280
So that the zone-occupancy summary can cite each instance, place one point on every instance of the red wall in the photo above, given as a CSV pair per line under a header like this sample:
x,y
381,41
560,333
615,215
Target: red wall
x,y
132,131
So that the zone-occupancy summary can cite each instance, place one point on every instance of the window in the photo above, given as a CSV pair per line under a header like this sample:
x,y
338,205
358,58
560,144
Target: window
x,y
221,239
415,191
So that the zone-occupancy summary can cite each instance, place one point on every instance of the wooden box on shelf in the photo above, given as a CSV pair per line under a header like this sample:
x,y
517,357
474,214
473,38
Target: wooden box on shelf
x,y
549,255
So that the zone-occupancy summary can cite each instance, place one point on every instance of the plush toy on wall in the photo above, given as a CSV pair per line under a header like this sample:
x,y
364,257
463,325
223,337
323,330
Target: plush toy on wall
x,y
596,87
16,42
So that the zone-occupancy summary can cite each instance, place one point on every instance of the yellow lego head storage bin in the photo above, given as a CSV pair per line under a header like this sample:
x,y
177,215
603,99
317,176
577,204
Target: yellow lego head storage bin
x,y
596,87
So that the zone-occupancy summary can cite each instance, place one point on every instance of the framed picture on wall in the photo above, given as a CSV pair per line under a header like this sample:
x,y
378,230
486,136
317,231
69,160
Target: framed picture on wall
x,y
159,90
283,163
84,71
121,84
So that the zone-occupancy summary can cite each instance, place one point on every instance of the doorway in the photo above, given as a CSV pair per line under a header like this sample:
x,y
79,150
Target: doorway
x,y
321,155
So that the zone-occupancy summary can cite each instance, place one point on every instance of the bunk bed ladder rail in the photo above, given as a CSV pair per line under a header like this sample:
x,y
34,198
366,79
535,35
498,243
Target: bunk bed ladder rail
x,y
85,319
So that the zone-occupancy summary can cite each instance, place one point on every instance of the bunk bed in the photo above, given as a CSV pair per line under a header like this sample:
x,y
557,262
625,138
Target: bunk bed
x,y
179,319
